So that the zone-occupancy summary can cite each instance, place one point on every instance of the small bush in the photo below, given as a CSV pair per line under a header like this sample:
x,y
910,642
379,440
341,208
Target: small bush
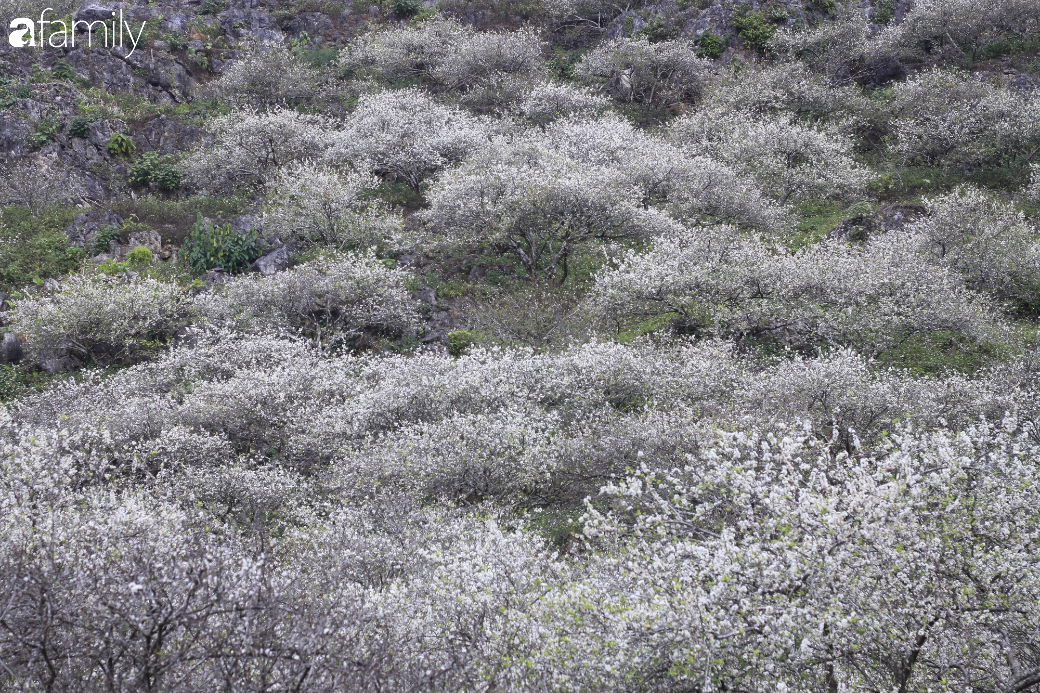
x,y
120,145
710,44
100,319
103,238
459,341
154,168
62,70
79,127
209,246
405,8
753,27
139,256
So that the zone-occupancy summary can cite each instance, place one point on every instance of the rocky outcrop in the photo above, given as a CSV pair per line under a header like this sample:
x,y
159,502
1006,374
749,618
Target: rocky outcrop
x,y
85,226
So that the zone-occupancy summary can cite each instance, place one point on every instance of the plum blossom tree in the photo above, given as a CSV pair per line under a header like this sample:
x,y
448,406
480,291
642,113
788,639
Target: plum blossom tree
x,y
550,101
403,53
248,147
637,71
961,27
406,134
718,279
273,77
311,203
101,319
330,301
987,242
540,206
787,158
951,118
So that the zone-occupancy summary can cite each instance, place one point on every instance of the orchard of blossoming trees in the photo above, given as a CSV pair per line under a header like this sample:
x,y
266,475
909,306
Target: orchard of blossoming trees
x,y
670,347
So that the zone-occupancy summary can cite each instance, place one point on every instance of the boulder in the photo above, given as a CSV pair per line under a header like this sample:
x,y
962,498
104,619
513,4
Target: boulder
x,y
149,238
274,261
94,11
426,295
84,226
59,364
10,349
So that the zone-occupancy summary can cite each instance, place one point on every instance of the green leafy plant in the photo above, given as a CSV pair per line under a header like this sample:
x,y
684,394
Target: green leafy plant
x,y
884,11
710,44
80,126
777,13
753,27
46,128
139,256
405,8
112,267
208,246
62,70
658,29
459,341
154,168
198,58
211,7
168,179
120,145
103,238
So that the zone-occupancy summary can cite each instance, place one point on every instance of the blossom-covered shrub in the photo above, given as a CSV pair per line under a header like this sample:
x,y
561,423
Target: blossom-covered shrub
x,y
540,206
715,278
101,319
329,300
787,88
403,53
406,134
951,118
36,187
312,203
637,71
272,77
785,157
550,101
848,48
493,70
987,242
958,28
248,147
764,552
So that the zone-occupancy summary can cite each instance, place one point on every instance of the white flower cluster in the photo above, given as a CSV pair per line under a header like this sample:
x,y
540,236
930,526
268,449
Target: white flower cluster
x,y
272,77
987,242
488,71
101,319
312,203
635,70
786,157
105,320
717,278
406,134
953,118
248,147
328,300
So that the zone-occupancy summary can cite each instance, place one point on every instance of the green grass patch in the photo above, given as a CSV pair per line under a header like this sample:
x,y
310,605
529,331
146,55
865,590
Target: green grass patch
x,y
817,218
1014,45
939,352
35,248
398,195
173,219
